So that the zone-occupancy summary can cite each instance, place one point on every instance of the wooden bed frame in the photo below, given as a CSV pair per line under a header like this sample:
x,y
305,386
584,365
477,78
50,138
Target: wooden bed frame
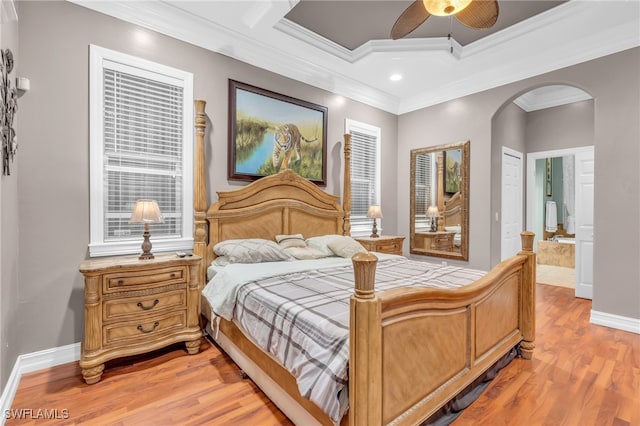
x,y
411,350
452,214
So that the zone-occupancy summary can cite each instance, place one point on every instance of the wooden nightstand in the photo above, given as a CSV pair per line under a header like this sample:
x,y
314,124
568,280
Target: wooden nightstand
x,y
439,240
391,244
134,306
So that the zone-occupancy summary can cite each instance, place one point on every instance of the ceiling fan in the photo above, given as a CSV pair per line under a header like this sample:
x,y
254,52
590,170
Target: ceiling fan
x,y
478,14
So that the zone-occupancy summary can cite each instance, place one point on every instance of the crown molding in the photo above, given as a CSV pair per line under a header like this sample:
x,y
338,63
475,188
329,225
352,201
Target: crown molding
x,y
550,96
527,49
615,38
167,19
408,45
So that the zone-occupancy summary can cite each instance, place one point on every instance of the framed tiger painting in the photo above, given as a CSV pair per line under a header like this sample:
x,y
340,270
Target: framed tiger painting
x,y
270,132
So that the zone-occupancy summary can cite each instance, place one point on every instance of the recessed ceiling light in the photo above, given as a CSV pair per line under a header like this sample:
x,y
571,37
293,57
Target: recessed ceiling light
x,y
395,77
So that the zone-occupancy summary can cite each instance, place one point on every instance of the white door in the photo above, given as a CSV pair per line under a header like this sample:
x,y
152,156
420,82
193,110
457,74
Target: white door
x,y
511,224
585,161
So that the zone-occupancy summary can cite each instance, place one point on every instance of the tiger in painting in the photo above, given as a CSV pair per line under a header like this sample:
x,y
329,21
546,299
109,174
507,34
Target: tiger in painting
x,y
287,140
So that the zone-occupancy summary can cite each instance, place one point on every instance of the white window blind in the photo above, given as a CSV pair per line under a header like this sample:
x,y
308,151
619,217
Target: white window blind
x,y
141,147
425,196
365,174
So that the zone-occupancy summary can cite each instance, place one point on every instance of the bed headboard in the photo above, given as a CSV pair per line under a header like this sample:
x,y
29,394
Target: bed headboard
x,y
284,203
452,214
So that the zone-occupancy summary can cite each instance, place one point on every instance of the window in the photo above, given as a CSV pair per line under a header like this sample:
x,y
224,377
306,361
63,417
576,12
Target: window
x,y
425,192
141,146
365,174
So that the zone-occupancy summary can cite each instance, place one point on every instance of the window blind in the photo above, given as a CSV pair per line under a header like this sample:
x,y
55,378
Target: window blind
x,y
365,180
424,190
143,149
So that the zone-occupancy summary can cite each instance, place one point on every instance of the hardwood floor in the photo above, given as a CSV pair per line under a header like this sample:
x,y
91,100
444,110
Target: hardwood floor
x,y
581,374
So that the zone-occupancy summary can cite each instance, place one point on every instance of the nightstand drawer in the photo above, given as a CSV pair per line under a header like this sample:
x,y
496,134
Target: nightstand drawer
x,y
145,279
383,244
144,328
394,247
134,306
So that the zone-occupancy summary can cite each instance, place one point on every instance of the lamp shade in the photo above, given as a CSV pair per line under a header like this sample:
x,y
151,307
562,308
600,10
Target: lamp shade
x,y
146,211
432,211
374,212
445,7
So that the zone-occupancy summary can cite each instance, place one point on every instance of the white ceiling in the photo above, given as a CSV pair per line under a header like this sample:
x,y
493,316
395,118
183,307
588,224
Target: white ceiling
x,y
258,33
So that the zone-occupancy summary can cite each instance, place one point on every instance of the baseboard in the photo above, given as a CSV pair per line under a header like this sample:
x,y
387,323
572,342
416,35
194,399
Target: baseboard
x,y
615,321
34,361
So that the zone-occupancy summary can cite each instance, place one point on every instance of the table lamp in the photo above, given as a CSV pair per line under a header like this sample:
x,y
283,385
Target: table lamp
x,y
146,212
376,213
433,213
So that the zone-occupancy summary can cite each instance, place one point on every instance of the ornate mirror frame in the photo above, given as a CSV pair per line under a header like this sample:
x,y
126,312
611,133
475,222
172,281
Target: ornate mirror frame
x,y
452,243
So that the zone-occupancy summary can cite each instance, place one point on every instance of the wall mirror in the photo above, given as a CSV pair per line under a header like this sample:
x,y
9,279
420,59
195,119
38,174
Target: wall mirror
x,y
439,222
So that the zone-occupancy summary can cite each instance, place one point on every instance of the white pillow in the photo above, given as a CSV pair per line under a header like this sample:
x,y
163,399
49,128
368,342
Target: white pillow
x,y
221,261
345,246
286,241
252,250
305,253
455,229
322,243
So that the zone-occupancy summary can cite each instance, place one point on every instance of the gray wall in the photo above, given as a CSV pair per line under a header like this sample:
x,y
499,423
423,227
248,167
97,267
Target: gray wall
x,y
508,129
9,225
566,126
613,82
53,182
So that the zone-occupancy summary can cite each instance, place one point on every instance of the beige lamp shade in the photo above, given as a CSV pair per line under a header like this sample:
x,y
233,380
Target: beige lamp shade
x,y
432,211
146,211
445,7
374,212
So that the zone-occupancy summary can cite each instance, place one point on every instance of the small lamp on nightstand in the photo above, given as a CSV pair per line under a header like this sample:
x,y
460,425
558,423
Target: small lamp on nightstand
x,y
433,213
146,212
376,213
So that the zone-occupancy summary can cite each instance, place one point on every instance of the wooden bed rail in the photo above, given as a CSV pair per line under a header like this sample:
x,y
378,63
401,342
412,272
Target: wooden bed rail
x,y
457,334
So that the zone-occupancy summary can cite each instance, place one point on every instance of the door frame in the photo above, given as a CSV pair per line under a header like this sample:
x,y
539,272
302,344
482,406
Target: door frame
x,y
519,155
531,180
531,177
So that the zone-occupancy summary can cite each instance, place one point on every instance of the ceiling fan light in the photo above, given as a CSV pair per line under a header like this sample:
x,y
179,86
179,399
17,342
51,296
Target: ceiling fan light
x,y
445,7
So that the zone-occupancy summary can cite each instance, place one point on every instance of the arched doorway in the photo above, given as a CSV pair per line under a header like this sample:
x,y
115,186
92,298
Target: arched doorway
x,y
549,126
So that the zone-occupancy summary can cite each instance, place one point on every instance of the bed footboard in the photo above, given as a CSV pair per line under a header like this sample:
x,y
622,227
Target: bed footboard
x,y
412,351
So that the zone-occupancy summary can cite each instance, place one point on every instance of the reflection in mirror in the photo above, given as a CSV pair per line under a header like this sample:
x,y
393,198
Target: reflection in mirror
x,y
439,222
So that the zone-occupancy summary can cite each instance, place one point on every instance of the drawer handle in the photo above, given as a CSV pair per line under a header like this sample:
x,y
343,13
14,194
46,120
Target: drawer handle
x,y
155,325
146,308
121,281
173,275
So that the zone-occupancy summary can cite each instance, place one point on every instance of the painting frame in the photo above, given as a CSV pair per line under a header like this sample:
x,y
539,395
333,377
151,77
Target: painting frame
x,y
452,175
256,116
549,176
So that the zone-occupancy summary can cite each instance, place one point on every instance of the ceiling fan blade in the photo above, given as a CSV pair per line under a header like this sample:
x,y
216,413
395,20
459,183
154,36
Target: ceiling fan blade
x,y
480,14
409,20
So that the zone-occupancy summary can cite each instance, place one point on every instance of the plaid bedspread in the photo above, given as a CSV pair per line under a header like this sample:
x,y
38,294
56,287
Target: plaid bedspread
x,y
302,319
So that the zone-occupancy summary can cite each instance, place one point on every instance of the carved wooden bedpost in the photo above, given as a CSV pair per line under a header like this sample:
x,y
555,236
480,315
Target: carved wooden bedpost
x,y
199,192
365,346
346,193
440,200
528,296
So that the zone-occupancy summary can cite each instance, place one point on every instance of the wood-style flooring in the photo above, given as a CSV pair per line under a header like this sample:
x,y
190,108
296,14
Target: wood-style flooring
x,y
581,374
